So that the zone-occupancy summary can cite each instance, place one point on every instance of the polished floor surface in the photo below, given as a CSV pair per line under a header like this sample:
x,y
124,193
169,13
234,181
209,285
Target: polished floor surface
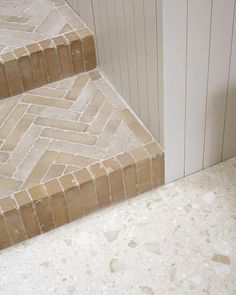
x,y
178,239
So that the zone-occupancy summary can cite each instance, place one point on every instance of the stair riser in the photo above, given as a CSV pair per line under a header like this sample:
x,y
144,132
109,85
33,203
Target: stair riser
x,y
45,62
46,206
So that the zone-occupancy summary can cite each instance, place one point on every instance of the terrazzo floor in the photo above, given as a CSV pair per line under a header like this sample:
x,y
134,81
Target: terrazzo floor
x,y
178,239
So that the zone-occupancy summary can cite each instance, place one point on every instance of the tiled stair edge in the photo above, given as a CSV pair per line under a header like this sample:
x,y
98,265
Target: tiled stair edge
x,y
47,61
46,206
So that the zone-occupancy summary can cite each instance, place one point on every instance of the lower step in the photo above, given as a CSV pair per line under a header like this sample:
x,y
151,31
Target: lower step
x,y
73,147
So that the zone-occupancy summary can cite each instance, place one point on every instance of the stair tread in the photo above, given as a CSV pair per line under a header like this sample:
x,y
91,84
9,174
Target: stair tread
x,y
31,21
61,127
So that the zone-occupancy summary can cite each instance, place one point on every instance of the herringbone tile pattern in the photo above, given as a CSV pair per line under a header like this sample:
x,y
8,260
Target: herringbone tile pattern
x,y
24,22
56,129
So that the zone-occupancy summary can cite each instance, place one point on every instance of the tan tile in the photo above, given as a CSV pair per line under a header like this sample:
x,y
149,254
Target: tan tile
x,y
28,213
58,204
67,28
61,124
17,132
115,175
101,184
38,64
25,68
64,56
95,75
10,183
75,44
56,170
143,163
13,220
89,53
129,173
13,117
142,134
4,236
79,161
92,108
157,164
47,101
102,117
51,60
87,189
77,87
69,136
6,170
70,16
40,169
12,73
4,88
72,196
42,207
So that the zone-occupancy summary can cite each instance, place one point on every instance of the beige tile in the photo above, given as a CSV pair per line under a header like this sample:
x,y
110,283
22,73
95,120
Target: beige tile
x,y
17,132
42,207
12,73
142,134
73,196
143,163
40,169
101,184
79,161
130,174
25,68
77,87
58,204
4,88
75,44
28,213
51,60
4,236
38,64
87,190
61,124
158,172
89,53
115,175
64,56
47,101
69,136
56,170
13,220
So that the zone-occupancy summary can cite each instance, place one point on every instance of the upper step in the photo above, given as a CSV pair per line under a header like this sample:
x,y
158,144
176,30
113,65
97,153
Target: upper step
x,y
41,42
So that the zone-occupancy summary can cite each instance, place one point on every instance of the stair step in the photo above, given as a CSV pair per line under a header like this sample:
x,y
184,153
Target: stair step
x,y
66,150
37,48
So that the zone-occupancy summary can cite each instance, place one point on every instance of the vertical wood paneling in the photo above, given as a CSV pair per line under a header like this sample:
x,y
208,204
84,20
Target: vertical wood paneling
x,y
229,149
199,22
221,38
174,71
171,61
150,21
140,41
122,47
112,25
132,54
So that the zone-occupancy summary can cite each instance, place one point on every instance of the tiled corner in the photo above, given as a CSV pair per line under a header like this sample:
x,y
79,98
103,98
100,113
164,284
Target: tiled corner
x,y
49,60
74,147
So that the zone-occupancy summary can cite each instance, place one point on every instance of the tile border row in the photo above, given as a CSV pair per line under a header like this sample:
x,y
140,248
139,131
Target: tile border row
x,y
61,200
46,61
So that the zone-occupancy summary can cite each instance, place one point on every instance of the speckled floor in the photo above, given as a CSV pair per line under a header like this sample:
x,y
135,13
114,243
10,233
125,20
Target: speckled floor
x,y
179,239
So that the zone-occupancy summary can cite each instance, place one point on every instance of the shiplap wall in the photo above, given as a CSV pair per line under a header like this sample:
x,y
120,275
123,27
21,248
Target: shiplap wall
x,y
126,34
174,61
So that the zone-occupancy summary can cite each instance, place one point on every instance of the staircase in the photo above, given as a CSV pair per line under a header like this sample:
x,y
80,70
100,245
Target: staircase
x,y
69,145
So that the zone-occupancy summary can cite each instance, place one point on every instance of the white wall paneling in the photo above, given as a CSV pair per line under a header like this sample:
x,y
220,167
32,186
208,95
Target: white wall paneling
x,y
174,61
